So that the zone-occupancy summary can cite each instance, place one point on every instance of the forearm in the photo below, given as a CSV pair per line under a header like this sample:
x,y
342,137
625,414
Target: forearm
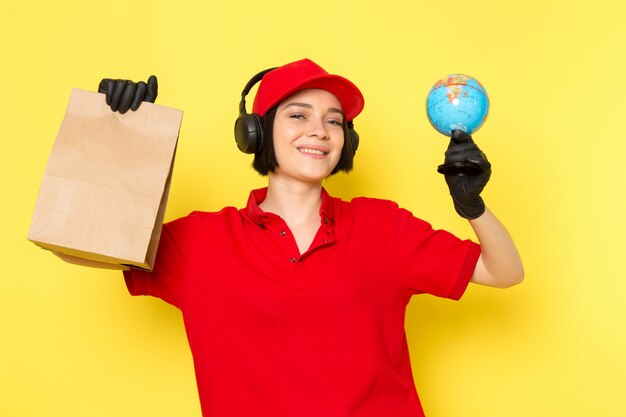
x,y
499,264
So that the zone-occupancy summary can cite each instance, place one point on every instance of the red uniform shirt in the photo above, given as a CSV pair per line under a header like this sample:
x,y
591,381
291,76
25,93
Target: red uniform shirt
x,y
276,333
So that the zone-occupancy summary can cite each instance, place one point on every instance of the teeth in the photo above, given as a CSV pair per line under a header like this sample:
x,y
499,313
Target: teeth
x,y
313,151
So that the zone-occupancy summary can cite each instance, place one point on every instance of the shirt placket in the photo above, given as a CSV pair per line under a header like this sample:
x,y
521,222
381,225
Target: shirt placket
x,y
295,266
277,230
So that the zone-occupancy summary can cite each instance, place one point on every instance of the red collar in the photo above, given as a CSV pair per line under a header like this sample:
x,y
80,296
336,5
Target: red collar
x,y
258,216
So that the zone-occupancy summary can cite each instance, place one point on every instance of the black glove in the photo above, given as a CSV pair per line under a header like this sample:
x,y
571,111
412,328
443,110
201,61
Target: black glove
x,y
125,94
465,189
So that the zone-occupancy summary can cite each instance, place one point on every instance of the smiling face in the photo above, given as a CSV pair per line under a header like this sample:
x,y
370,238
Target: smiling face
x,y
308,136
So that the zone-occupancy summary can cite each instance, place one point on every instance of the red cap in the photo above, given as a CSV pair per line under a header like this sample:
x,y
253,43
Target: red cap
x,y
287,80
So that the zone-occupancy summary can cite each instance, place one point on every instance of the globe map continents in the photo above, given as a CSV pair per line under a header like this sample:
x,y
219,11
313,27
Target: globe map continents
x,y
457,101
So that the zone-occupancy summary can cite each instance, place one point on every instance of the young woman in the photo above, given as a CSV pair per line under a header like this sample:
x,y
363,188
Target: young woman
x,y
294,305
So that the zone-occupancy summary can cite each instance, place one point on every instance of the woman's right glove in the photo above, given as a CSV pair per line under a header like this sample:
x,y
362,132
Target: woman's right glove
x,y
122,95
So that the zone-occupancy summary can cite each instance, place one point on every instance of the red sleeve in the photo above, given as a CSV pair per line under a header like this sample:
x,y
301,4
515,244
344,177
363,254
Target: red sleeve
x,y
167,278
433,261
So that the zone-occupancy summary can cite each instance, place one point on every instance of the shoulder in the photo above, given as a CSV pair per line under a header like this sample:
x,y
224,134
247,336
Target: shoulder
x,y
197,220
370,207
367,211
368,203
383,211
198,216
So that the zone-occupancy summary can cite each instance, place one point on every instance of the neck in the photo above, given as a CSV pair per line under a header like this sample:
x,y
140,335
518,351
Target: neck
x,y
296,202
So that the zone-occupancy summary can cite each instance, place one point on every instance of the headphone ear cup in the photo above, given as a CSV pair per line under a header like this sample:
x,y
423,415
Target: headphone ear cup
x,y
249,133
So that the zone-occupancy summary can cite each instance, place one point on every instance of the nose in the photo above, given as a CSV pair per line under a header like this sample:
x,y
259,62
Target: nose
x,y
318,129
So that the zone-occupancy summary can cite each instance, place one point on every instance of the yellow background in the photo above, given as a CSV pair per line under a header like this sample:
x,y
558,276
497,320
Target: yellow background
x,y
75,344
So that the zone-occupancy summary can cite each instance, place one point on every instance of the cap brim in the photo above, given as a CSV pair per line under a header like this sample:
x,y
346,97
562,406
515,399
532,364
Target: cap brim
x,y
346,92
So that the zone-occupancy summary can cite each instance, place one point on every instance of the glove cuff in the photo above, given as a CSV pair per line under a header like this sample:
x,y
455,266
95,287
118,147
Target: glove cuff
x,y
470,210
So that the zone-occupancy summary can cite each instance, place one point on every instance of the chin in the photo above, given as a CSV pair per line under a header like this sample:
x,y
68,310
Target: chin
x,y
305,173
310,177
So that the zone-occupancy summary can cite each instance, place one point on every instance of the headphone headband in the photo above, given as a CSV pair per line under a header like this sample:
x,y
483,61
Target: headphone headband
x,y
248,87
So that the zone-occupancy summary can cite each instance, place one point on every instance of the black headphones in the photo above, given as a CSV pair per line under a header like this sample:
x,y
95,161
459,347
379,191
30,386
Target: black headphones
x,y
249,127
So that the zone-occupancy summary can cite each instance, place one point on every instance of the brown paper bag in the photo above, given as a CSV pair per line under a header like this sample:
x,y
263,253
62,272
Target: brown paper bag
x,y
104,191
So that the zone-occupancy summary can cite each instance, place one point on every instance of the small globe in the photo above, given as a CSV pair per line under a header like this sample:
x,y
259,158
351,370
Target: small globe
x,y
457,101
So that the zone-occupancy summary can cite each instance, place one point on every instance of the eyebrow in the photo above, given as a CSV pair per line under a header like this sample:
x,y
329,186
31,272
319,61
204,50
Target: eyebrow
x,y
308,106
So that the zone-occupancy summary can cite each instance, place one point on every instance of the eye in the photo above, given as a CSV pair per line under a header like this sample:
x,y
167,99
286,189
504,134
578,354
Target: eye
x,y
296,116
335,122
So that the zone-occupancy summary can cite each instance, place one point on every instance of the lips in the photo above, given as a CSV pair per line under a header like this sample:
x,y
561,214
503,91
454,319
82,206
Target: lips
x,y
313,150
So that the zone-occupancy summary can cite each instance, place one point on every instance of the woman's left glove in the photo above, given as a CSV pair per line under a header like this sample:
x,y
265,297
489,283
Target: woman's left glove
x,y
465,189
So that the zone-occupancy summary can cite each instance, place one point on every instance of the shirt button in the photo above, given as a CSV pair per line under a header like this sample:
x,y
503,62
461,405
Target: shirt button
x,y
325,240
293,260
283,233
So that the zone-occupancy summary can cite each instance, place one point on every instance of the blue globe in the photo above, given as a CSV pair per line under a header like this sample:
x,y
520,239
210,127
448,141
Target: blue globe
x,y
457,101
